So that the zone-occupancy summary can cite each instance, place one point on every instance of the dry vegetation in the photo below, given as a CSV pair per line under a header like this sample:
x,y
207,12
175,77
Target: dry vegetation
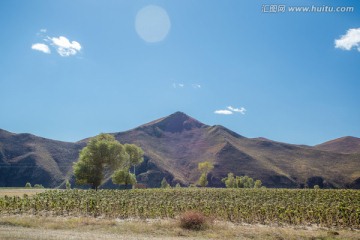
x,y
41,228
19,192
326,208
63,222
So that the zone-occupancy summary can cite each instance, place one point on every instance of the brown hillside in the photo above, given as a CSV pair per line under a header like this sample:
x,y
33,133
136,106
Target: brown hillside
x,y
174,146
28,158
343,145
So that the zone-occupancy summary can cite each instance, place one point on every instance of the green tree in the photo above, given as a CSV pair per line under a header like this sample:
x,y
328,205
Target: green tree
x,y
135,155
204,168
229,181
67,184
123,177
178,185
28,185
257,184
203,180
316,187
248,182
164,183
101,152
239,182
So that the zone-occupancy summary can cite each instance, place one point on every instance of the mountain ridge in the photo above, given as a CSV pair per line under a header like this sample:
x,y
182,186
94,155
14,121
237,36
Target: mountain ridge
x,y
173,147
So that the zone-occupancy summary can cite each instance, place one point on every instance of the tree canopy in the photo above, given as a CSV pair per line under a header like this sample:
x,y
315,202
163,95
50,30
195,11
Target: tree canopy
x,y
204,168
123,177
232,181
104,152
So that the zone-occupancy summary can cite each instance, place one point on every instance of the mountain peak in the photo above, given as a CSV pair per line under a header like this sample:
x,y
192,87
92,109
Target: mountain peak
x,y
346,144
176,122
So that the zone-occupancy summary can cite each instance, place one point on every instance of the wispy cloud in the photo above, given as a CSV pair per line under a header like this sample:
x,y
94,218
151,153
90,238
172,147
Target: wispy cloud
x,y
41,47
241,110
178,85
230,110
182,85
64,47
350,40
223,112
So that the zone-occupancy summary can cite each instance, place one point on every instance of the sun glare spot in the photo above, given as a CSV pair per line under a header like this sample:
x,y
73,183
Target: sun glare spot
x,y
152,23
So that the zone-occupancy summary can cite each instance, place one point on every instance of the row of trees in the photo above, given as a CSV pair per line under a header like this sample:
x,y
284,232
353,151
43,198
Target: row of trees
x,y
103,153
28,185
232,181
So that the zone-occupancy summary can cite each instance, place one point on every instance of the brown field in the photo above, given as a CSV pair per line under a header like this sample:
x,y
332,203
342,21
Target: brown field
x,y
41,228
10,192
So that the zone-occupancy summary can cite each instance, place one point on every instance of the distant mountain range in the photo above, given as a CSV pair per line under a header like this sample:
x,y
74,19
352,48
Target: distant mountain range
x,y
174,146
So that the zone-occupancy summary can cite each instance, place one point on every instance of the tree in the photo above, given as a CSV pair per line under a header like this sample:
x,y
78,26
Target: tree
x,y
229,181
248,182
28,185
257,184
67,184
164,183
124,177
101,152
204,168
135,155
239,182
203,180
178,185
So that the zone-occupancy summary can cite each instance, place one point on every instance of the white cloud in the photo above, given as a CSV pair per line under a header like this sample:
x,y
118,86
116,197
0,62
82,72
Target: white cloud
x,y
61,44
231,110
350,40
178,85
64,47
41,47
241,110
223,112
196,86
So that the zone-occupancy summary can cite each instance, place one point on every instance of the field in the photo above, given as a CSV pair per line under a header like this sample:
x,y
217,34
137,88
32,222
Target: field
x,y
10,192
233,211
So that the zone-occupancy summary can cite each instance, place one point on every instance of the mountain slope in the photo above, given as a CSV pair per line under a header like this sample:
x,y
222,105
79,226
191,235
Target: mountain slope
x,y
175,155
28,158
174,146
343,145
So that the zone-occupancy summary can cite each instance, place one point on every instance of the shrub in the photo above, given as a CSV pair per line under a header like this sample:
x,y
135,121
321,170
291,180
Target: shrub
x,y
38,186
67,184
193,220
28,185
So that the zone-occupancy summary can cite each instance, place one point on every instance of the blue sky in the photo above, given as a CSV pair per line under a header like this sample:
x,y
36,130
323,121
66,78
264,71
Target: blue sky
x,y
72,69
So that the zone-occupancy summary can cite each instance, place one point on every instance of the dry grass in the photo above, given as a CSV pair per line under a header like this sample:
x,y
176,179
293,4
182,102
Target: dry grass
x,y
10,192
33,227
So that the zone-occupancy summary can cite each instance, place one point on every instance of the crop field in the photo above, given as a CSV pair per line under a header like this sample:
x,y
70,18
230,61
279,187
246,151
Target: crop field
x,y
327,208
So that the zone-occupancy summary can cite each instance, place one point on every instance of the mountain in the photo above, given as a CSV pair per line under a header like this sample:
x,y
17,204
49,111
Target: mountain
x,y
343,145
28,158
174,146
